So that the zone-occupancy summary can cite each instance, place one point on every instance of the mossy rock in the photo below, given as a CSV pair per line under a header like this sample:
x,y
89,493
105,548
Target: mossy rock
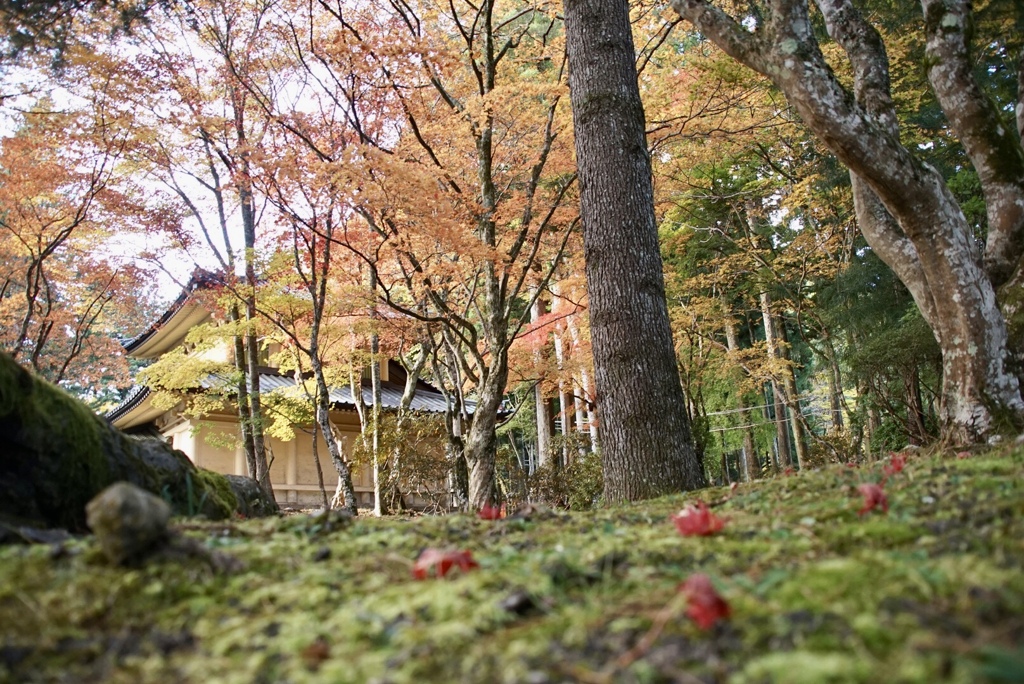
x,y
57,455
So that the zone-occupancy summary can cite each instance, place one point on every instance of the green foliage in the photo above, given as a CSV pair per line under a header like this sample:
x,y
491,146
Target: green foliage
x,y
414,450
576,486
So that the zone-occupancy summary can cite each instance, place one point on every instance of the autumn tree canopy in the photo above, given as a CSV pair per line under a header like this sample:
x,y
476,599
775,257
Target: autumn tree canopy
x,y
836,202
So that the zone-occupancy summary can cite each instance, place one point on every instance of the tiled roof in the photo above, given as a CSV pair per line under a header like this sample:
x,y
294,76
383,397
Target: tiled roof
x,y
135,396
426,399
199,279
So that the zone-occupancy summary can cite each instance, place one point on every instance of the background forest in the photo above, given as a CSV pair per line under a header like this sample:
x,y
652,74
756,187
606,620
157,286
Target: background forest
x,y
386,179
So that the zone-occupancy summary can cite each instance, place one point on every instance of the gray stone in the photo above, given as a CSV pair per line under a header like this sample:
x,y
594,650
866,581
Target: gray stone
x,y
129,522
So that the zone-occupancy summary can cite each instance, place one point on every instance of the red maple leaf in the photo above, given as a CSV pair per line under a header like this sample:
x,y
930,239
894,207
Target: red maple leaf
x,y
697,521
438,562
874,498
895,464
491,512
705,605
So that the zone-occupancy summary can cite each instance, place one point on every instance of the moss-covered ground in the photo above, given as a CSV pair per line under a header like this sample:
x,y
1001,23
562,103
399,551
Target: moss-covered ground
x,y
931,591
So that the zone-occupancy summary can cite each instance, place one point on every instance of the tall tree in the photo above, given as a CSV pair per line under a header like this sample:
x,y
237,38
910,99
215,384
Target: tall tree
x,y
460,168
904,207
647,448
195,134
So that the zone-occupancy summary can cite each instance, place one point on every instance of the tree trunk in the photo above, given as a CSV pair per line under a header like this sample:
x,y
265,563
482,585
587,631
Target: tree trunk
x,y
543,411
57,455
481,442
323,419
783,386
380,470
587,393
929,245
749,469
796,415
835,386
647,447
242,397
563,400
256,406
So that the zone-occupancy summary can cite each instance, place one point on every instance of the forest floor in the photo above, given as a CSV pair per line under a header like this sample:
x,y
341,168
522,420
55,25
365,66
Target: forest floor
x,y
931,590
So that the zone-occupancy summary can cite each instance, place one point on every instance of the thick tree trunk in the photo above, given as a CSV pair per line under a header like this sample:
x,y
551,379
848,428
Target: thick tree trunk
x,y
647,447
931,249
57,455
481,442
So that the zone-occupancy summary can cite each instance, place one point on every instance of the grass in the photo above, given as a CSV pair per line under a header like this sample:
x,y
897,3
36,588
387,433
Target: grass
x,y
931,591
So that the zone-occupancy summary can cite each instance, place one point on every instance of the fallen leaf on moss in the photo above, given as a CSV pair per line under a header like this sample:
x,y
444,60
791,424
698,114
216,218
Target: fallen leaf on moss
x,y
316,653
491,512
704,605
895,465
438,562
874,497
697,521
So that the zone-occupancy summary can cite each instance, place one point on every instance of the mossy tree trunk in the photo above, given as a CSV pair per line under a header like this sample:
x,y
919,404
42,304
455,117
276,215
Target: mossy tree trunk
x,y
56,455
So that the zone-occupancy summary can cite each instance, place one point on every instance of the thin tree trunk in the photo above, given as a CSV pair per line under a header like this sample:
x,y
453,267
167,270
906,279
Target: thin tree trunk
x,y
327,429
792,396
585,384
380,470
543,413
242,399
647,447
563,400
750,470
778,388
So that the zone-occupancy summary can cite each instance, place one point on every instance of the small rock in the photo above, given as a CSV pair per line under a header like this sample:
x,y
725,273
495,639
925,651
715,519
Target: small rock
x,y
128,522
519,602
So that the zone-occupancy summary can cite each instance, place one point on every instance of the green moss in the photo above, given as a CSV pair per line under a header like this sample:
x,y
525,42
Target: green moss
x,y
817,592
59,436
213,496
